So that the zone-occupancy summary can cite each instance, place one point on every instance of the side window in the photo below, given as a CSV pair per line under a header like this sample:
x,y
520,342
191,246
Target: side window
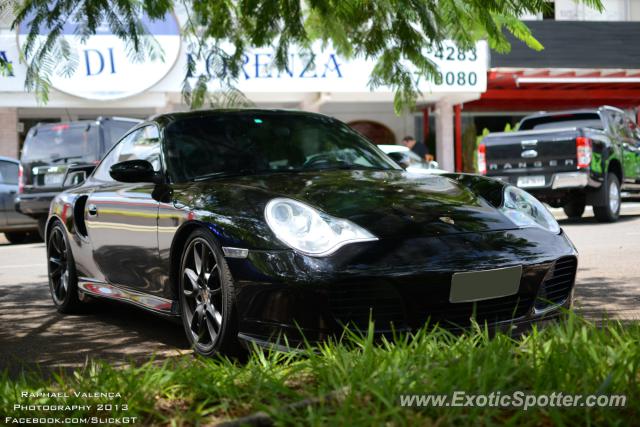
x,y
114,130
635,130
8,173
617,124
625,130
142,144
630,128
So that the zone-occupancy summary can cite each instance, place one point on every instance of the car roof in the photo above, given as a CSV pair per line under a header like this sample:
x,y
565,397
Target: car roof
x,y
9,159
576,111
88,121
170,117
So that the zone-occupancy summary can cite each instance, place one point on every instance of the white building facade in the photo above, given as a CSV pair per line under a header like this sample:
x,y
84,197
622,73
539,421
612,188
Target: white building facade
x,y
107,83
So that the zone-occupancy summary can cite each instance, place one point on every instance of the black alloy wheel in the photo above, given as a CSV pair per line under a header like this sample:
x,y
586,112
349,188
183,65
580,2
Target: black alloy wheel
x,y
63,282
206,297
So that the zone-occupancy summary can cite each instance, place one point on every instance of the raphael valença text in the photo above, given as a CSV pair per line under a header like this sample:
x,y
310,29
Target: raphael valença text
x,y
66,395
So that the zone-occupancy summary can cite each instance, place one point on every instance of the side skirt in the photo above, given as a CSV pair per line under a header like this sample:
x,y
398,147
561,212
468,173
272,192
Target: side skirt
x,y
153,303
248,341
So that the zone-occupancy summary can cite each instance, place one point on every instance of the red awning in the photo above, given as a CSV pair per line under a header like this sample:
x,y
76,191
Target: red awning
x,y
553,89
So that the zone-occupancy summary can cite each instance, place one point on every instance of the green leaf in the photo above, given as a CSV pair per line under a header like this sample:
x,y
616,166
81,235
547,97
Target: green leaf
x,y
393,33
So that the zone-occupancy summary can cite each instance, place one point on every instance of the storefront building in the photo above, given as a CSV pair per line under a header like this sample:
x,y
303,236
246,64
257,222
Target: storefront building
x,y
106,82
589,59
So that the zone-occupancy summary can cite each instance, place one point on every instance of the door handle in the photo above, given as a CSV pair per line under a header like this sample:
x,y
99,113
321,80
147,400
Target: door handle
x,y
92,210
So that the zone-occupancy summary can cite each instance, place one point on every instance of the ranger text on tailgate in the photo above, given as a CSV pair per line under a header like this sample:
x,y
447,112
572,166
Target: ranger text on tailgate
x,y
569,159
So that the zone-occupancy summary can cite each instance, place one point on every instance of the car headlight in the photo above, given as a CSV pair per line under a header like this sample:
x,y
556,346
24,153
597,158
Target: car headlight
x,y
310,231
524,210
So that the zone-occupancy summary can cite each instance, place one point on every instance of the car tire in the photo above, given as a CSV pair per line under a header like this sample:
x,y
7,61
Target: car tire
x,y
610,211
16,237
61,269
574,208
207,298
42,224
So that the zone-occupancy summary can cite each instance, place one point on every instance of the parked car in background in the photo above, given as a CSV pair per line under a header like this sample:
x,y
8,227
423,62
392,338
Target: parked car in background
x,y
569,159
16,227
51,148
409,160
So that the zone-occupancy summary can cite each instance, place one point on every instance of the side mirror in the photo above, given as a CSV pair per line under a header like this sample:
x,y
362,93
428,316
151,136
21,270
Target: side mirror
x,y
133,171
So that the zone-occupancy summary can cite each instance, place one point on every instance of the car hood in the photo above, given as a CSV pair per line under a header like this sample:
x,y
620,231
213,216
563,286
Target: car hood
x,y
390,204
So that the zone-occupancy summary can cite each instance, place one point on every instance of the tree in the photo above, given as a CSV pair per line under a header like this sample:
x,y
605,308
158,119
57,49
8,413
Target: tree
x,y
394,33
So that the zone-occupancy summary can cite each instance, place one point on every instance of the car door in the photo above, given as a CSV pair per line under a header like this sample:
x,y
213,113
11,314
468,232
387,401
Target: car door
x,y
634,152
622,132
122,218
629,150
5,192
9,216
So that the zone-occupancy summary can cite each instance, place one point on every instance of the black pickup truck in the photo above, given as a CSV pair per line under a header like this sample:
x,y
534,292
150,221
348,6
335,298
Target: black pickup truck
x,y
57,155
569,159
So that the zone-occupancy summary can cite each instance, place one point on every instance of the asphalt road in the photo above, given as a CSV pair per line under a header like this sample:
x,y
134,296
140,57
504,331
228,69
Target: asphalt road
x,y
33,333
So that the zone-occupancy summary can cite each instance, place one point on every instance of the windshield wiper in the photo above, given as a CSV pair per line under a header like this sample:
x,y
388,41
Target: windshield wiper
x,y
226,174
346,166
245,172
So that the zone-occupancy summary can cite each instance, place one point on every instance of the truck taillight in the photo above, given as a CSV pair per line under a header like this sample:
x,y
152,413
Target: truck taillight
x,y
20,180
482,159
583,151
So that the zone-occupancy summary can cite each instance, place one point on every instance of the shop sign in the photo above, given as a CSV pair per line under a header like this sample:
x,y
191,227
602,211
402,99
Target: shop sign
x,y
104,71
105,67
323,70
11,81
7,60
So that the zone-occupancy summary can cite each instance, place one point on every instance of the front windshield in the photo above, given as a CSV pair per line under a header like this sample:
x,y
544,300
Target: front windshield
x,y
206,146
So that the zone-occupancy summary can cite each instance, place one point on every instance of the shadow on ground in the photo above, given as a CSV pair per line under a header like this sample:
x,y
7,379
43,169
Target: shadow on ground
x,y
597,297
33,334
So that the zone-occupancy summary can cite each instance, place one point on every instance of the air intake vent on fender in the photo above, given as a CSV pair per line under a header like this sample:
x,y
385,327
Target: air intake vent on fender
x,y
78,215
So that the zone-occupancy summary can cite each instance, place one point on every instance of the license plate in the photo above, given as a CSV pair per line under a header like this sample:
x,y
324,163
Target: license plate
x,y
531,181
482,285
53,179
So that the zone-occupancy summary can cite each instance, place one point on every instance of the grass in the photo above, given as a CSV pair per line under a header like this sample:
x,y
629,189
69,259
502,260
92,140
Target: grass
x,y
366,379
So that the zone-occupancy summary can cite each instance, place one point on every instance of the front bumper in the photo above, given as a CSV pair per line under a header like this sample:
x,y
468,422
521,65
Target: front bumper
x,y
401,286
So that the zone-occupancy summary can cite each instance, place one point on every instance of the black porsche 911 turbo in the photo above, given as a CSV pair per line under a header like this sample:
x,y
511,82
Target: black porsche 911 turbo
x,y
262,225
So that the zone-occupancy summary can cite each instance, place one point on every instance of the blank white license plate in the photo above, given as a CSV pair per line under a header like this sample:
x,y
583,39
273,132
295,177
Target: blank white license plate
x,y
488,284
53,179
531,181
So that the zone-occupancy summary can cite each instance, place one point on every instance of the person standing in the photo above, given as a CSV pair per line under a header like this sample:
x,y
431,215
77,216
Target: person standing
x,y
417,147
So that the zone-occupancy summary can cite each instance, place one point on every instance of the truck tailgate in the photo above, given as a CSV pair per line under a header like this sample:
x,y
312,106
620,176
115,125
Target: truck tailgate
x,y
532,153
